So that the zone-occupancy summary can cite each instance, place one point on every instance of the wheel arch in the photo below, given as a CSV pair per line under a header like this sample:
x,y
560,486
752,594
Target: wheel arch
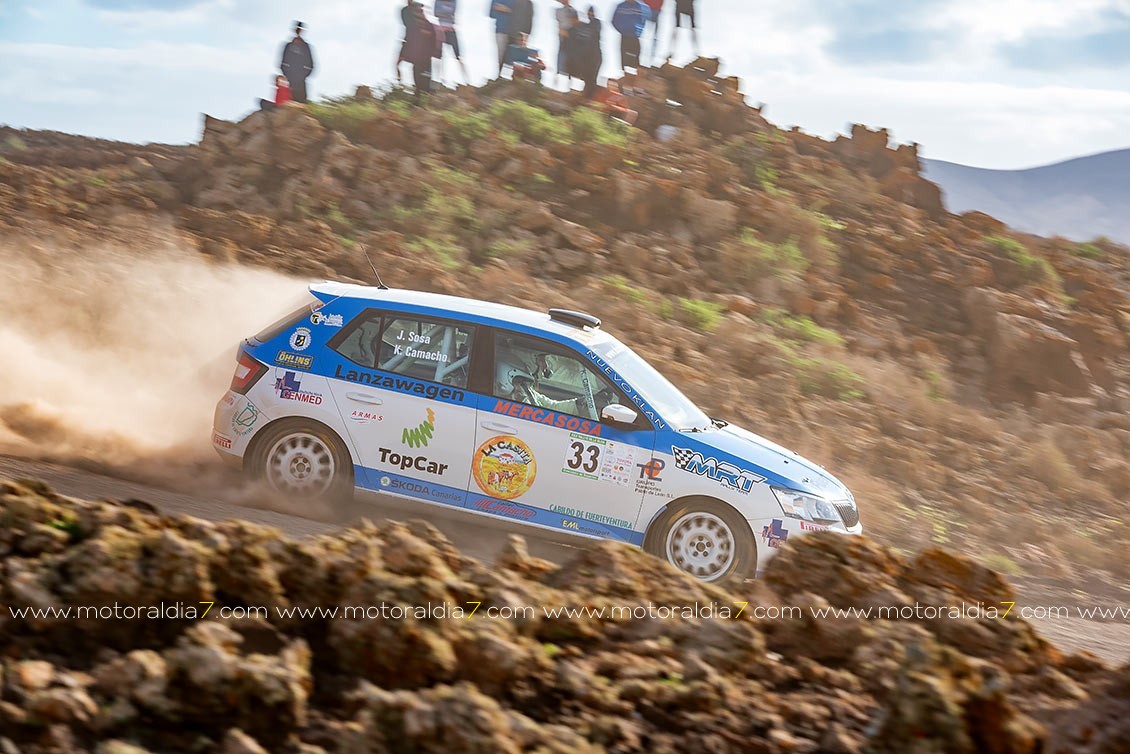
x,y
659,517
251,455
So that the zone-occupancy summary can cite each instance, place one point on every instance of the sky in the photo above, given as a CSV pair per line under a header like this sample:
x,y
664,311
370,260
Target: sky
x,y
993,83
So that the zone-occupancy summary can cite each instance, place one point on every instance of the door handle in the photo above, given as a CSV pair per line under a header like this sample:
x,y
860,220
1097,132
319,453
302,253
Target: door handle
x,y
364,398
497,427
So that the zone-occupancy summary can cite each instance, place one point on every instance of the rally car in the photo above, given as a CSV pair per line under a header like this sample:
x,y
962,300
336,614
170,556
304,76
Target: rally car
x,y
541,418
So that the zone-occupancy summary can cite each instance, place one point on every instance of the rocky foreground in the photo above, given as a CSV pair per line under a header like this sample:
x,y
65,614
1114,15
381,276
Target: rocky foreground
x,y
481,684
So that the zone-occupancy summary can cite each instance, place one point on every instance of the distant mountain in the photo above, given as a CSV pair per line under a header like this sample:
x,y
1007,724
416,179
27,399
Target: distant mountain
x,y
1081,198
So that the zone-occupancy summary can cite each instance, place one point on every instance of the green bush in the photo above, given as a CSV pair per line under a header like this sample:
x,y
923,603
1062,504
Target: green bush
x,y
344,114
626,289
592,126
704,316
799,327
529,123
1087,251
828,378
1035,267
781,260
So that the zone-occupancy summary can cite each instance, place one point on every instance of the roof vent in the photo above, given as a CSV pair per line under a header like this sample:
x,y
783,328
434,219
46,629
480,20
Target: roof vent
x,y
576,319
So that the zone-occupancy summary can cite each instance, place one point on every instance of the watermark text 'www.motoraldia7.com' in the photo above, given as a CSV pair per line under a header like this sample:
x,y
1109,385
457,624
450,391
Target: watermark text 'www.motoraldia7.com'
x,y
622,612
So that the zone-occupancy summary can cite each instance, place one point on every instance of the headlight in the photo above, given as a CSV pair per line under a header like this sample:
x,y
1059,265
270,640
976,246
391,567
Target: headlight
x,y
804,506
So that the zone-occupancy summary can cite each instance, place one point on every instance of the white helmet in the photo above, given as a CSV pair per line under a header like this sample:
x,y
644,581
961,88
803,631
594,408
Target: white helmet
x,y
507,373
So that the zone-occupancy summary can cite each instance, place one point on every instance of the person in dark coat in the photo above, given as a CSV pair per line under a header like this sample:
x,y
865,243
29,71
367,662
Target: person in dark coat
x,y
297,63
521,19
584,52
421,45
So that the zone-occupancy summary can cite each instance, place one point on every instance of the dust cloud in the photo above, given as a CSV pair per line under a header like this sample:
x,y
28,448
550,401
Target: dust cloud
x,y
116,356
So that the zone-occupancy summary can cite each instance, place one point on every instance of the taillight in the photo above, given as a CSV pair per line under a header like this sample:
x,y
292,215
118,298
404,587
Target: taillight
x,y
247,373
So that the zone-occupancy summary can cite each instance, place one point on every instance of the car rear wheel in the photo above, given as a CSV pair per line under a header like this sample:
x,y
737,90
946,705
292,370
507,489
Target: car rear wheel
x,y
705,539
304,461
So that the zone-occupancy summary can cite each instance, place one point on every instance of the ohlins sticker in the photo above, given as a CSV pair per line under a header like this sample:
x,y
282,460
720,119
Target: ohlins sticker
x,y
723,472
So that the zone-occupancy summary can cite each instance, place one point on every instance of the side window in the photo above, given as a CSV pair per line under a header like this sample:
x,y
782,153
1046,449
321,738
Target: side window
x,y
361,344
539,373
426,350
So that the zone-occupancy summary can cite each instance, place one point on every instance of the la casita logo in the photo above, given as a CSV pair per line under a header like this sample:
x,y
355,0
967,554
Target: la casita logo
x,y
504,467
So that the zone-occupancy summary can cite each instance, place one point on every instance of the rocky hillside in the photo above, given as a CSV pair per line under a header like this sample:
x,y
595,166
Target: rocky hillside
x,y
972,384
143,681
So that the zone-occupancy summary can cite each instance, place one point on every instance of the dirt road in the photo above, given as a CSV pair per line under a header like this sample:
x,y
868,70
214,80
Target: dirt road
x,y
477,537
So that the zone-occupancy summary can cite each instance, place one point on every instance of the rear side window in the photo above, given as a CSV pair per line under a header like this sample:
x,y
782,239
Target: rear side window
x,y
309,305
362,341
421,348
426,349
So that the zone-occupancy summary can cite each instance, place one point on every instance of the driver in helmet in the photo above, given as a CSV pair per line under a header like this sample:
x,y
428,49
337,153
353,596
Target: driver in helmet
x,y
516,382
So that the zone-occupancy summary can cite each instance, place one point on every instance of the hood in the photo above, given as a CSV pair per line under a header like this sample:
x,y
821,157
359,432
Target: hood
x,y
779,465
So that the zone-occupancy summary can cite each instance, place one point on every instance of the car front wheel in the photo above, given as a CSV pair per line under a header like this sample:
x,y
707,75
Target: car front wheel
x,y
707,540
304,461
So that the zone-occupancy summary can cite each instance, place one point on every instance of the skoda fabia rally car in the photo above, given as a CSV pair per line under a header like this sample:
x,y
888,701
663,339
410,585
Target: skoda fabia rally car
x,y
540,418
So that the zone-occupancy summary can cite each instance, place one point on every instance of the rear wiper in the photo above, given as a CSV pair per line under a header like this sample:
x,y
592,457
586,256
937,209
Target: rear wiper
x,y
719,423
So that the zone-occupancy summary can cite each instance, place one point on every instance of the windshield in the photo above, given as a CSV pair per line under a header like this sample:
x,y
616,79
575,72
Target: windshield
x,y
653,387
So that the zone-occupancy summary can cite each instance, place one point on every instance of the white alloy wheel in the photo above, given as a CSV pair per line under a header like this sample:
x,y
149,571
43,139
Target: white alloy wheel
x,y
702,544
300,463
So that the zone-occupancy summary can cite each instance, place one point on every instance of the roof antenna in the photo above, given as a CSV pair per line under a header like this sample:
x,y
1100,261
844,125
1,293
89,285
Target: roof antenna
x,y
373,267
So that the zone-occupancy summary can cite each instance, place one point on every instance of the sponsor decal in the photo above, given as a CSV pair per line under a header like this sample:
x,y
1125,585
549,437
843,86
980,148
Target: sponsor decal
x,y
328,320
289,388
504,508
408,342
809,526
300,339
775,533
649,480
400,384
627,389
723,472
221,441
418,437
288,359
423,489
593,458
596,518
504,467
365,417
545,416
229,400
244,420
404,462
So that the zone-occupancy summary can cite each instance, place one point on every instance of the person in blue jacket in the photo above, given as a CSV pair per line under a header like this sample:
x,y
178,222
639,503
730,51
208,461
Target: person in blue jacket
x,y
502,11
630,18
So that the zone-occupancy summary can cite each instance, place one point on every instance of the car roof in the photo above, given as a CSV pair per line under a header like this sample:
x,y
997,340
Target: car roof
x,y
466,308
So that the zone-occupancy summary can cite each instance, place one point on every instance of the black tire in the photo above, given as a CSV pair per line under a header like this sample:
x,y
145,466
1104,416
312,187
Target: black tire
x,y
690,535
302,460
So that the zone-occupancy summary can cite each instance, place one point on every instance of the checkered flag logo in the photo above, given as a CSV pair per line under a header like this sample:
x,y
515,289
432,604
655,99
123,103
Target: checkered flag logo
x,y
683,457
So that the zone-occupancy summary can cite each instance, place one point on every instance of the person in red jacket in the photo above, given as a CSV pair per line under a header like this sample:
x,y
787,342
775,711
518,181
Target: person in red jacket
x,y
282,94
656,6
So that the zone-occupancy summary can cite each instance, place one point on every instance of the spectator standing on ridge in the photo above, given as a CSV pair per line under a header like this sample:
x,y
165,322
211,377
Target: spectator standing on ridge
x,y
297,63
405,21
629,19
684,9
502,11
656,8
522,20
422,44
584,52
567,18
445,22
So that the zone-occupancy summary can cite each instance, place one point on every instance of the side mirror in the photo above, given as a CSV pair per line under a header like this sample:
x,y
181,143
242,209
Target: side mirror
x,y
615,413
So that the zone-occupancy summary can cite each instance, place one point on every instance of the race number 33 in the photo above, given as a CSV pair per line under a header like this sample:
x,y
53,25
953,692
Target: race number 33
x,y
583,457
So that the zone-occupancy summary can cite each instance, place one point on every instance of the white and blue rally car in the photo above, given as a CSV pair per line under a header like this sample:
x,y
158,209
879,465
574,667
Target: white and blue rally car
x,y
539,418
